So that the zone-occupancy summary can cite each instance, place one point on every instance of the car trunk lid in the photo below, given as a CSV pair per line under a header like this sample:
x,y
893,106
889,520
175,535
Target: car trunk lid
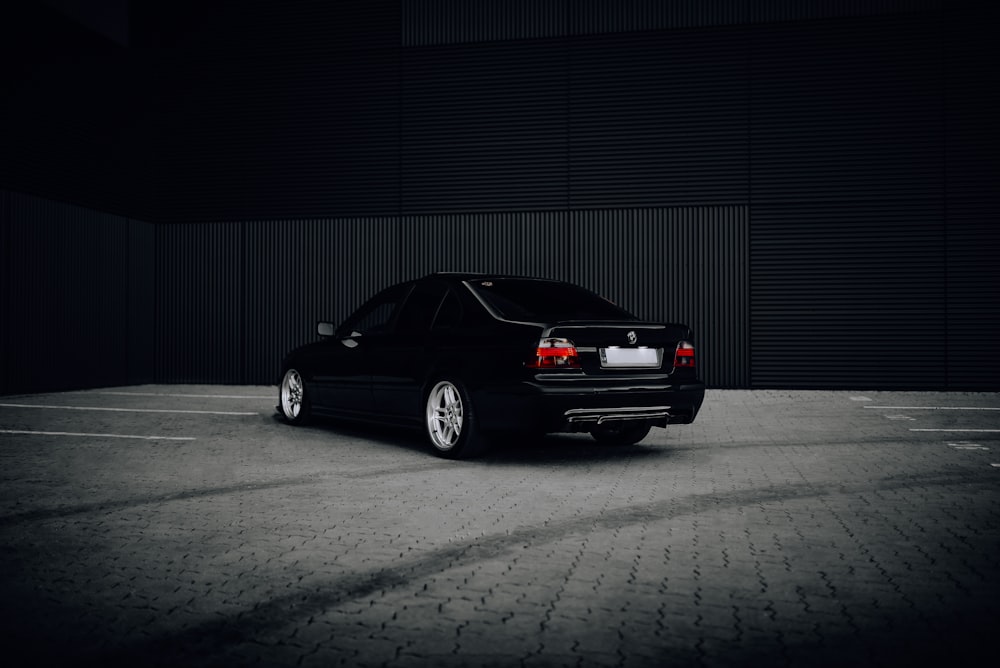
x,y
622,347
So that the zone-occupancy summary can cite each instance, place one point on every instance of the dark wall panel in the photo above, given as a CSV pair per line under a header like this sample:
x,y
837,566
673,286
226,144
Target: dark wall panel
x,y
454,21
847,110
847,203
72,284
659,119
849,295
73,112
484,127
277,110
789,178
973,202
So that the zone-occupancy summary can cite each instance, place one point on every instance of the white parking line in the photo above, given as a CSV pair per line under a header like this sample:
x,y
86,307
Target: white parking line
x,y
127,410
981,431
967,445
72,433
934,408
186,396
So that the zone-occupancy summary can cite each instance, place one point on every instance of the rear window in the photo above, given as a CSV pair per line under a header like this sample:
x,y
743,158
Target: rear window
x,y
521,299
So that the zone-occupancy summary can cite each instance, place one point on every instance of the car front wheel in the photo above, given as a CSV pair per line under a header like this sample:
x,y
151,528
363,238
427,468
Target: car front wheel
x,y
292,398
450,421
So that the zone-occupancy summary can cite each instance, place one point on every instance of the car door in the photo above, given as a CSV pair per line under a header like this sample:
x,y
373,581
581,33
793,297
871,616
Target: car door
x,y
343,372
398,360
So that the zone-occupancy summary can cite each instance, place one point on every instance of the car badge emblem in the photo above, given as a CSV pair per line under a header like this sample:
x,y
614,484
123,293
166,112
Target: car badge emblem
x,y
632,338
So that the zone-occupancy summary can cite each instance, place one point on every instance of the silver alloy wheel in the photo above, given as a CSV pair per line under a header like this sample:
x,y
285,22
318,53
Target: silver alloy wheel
x,y
291,394
445,417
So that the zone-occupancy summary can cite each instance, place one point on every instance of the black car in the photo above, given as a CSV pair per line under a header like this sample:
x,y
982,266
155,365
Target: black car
x,y
464,356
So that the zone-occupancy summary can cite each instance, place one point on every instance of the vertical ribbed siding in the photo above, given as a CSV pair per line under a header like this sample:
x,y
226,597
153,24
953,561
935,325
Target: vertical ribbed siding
x,y
302,271
658,119
484,127
6,290
452,21
503,243
67,312
199,298
141,301
429,22
857,174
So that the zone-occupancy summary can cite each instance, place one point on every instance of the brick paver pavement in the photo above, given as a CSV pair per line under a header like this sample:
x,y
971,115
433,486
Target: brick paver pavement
x,y
782,528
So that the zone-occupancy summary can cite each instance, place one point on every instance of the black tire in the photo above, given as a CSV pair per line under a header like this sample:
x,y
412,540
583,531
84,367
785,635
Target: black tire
x,y
293,400
450,421
620,433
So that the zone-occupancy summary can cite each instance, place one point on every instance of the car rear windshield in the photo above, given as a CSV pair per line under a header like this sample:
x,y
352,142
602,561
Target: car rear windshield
x,y
546,301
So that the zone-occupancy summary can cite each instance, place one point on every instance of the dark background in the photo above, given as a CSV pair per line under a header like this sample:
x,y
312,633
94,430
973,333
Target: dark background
x,y
812,186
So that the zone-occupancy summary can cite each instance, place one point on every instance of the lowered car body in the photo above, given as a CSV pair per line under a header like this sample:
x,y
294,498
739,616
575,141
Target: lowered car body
x,y
466,356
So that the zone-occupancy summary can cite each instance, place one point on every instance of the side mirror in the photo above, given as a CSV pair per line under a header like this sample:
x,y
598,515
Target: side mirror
x,y
325,329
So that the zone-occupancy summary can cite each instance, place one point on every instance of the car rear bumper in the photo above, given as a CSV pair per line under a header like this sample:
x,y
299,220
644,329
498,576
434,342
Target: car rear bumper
x,y
532,406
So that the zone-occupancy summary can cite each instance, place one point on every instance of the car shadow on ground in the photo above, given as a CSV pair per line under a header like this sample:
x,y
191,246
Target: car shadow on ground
x,y
504,448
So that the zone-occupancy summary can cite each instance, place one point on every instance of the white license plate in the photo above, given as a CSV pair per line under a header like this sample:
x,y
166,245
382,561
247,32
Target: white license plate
x,y
631,357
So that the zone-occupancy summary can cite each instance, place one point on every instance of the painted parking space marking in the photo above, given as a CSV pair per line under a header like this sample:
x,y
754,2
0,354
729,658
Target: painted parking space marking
x,y
186,396
900,417
73,433
127,410
935,408
967,445
980,431
860,398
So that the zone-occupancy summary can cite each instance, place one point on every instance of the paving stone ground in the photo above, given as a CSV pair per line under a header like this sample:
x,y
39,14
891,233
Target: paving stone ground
x,y
781,528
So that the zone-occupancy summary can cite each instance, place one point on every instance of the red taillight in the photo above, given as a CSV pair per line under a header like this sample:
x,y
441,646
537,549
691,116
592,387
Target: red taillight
x,y
684,356
555,354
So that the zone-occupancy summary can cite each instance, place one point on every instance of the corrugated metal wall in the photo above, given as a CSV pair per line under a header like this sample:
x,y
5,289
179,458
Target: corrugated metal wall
x,y
76,310
228,317
278,110
811,186
972,205
233,298
848,249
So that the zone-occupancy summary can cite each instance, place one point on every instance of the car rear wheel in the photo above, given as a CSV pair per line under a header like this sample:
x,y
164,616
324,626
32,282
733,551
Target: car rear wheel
x,y
293,401
620,433
451,422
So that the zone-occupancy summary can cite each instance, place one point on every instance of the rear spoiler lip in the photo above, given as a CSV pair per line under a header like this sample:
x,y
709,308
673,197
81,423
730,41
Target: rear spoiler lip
x,y
616,324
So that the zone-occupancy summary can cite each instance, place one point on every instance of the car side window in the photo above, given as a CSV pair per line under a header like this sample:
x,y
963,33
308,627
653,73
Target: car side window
x,y
449,315
420,307
377,315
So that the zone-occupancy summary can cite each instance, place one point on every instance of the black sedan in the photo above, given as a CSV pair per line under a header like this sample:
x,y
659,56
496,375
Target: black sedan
x,y
466,356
